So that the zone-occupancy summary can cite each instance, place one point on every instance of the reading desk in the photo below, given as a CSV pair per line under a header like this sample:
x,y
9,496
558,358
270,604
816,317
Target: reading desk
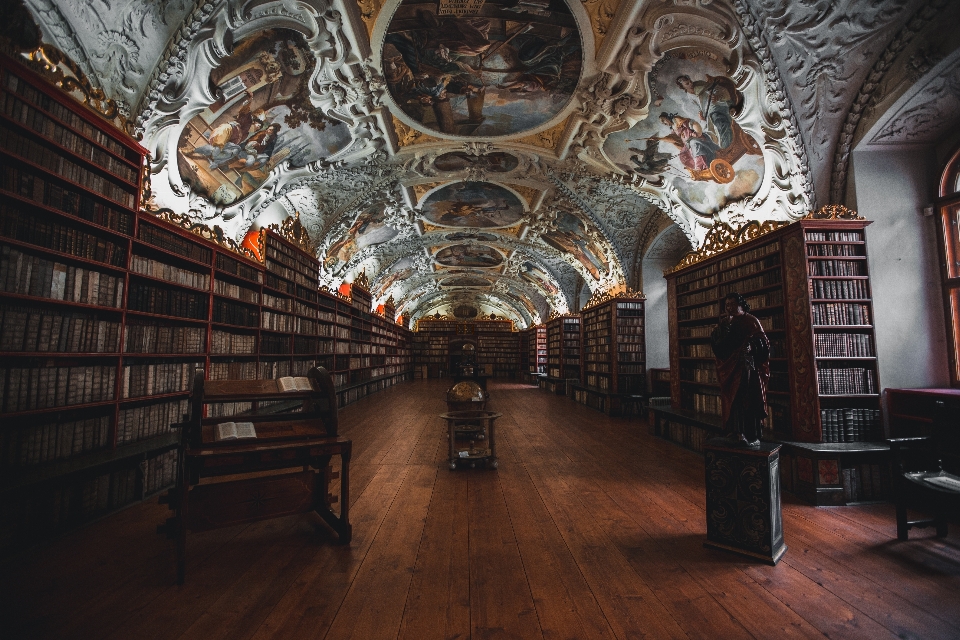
x,y
283,470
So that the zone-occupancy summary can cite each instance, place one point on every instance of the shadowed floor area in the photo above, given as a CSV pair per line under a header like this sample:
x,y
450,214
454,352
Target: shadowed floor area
x,y
590,528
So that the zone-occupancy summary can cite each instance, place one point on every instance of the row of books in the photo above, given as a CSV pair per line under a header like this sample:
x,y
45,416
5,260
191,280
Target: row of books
x,y
273,344
839,289
598,381
148,421
54,440
28,184
276,321
748,256
64,504
850,425
697,297
771,323
846,381
230,290
22,88
32,228
624,307
146,337
840,313
631,369
865,481
233,370
696,332
157,378
835,250
151,298
42,124
163,271
29,388
690,436
12,142
726,275
769,299
306,345
696,351
834,236
779,381
237,268
837,267
279,284
691,284
232,343
843,345
778,347
701,273
766,279
292,274
160,472
26,328
227,312
779,415
169,241
704,374
277,302
295,260
704,403
699,313
32,275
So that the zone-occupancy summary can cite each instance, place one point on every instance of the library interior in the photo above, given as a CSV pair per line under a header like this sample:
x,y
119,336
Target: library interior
x,y
479,319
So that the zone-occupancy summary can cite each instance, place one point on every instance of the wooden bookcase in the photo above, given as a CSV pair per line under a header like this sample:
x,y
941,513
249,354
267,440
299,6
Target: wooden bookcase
x,y
613,356
105,312
498,345
538,350
563,354
808,284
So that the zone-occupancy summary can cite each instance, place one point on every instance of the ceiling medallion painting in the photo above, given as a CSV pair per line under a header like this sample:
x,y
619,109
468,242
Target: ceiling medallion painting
x,y
472,204
570,236
368,229
482,69
263,116
469,255
461,236
691,137
465,281
497,162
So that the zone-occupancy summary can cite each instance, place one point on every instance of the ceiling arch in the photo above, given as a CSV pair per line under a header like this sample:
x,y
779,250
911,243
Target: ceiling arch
x,y
557,139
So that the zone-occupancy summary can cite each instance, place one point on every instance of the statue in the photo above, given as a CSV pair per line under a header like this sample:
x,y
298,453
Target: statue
x,y
743,368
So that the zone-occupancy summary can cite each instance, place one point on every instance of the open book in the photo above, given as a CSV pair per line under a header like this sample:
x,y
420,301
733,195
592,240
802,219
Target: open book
x,y
235,431
289,383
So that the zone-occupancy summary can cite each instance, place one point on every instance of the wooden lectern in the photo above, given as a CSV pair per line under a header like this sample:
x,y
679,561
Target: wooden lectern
x,y
284,470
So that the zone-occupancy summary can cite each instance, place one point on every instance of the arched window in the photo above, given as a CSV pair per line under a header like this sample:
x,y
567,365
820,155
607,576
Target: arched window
x,y
949,205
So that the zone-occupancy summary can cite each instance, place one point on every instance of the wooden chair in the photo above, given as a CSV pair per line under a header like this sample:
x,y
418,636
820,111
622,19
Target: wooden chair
x,y
283,471
921,480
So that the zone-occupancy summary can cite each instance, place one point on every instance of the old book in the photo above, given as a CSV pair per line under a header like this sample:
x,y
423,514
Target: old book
x,y
235,431
290,383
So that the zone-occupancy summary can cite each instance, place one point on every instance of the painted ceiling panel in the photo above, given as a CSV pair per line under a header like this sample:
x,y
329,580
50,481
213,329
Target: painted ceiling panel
x,y
497,155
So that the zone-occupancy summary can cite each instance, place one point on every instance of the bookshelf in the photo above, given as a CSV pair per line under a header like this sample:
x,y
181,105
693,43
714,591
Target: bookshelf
x,y
106,311
563,354
613,356
808,285
498,345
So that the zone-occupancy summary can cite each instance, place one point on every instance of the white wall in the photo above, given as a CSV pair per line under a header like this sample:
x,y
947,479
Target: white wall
x,y
892,187
655,311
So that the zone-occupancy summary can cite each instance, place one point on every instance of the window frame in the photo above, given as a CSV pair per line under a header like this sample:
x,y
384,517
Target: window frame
x,y
948,215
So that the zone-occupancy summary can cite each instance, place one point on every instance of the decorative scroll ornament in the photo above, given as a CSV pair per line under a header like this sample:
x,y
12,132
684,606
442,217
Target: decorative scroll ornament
x,y
61,71
619,291
556,314
833,212
292,231
407,136
361,281
722,237
213,234
547,139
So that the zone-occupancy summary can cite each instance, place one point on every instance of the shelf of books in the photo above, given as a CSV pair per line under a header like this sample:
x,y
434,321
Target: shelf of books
x,y
808,285
563,354
498,345
613,356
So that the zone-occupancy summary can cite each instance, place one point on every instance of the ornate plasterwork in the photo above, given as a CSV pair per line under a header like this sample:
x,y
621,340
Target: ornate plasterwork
x,y
723,237
930,112
823,46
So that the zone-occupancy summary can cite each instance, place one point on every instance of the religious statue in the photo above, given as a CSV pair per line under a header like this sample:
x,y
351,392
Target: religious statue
x,y
743,368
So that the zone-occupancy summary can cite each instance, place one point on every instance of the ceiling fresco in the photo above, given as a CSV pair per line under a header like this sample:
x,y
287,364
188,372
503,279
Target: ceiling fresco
x,y
505,156
481,69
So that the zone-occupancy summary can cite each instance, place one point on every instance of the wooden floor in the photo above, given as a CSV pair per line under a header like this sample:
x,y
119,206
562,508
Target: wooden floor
x,y
590,528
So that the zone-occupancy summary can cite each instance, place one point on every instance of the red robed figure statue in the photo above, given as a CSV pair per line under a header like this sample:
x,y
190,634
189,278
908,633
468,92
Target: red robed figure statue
x,y
743,369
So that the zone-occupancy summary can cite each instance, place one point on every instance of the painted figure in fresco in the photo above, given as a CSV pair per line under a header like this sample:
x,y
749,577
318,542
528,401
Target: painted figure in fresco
x,y
649,160
696,149
462,255
743,368
716,97
225,143
533,274
369,228
570,237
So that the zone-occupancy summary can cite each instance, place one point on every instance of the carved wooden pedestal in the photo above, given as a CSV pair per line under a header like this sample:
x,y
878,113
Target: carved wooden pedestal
x,y
743,500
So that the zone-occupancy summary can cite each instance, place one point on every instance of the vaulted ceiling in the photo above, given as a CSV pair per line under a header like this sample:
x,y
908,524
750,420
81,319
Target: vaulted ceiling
x,y
508,156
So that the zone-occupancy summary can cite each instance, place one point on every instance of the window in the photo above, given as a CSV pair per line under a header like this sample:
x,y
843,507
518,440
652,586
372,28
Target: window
x,y
949,206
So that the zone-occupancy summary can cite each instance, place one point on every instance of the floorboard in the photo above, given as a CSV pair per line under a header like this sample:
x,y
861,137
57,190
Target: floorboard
x,y
589,529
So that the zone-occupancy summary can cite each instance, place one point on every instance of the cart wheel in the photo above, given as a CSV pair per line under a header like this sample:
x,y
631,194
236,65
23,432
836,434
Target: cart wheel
x,y
721,170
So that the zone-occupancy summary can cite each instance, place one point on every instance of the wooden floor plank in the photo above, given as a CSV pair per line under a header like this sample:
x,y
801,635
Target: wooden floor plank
x,y
590,528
